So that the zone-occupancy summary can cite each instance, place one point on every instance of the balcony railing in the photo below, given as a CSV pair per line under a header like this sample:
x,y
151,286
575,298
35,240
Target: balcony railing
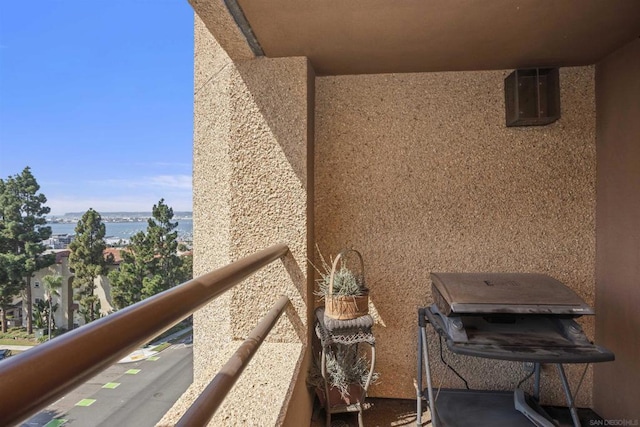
x,y
32,380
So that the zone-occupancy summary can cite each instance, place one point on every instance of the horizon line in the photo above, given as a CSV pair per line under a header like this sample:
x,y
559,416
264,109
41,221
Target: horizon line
x,y
116,213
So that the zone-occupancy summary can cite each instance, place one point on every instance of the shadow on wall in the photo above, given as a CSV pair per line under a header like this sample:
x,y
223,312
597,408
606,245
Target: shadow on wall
x,y
270,131
277,82
300,281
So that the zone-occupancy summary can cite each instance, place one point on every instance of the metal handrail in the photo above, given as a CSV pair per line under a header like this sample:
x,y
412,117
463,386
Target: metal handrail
x,y
205,406
32,380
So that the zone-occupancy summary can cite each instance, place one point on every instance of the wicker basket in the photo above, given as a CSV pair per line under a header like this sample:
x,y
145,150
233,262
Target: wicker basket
x,y
346,307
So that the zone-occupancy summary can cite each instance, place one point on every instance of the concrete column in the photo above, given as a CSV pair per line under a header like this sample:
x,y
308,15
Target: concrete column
x,y
252,182
253,187
615,388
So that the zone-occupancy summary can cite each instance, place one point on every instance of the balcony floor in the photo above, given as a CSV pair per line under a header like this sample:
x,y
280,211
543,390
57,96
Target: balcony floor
x,y
402,412
383,412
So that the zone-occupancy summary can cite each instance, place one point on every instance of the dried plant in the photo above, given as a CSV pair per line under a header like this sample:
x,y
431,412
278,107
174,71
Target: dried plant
x,y
344,367
345,282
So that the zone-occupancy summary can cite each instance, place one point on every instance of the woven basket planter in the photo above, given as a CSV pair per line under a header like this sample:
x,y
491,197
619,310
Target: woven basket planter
x,y
346,307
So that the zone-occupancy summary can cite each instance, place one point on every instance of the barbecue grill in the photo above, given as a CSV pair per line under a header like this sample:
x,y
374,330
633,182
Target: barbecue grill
x,y
508,316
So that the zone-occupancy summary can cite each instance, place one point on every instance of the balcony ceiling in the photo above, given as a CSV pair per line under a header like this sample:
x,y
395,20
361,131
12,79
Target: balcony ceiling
x,y
379,36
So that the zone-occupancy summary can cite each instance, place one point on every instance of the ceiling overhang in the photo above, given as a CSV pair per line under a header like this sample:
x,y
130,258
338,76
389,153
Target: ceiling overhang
x,y
388,36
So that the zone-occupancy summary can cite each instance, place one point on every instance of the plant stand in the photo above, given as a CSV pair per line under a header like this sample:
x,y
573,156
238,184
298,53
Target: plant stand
x,y
346,332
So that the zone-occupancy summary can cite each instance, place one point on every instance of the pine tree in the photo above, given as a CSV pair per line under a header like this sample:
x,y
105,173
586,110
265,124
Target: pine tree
x,y
10,273
186,270
166,267
88,261
127,280
10,283
150,264
22,215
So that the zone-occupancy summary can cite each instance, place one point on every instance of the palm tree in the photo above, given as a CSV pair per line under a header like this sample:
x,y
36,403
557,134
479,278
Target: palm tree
x,y
52,282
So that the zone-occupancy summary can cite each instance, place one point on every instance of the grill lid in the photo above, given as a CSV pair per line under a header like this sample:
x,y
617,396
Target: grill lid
x,y
494,293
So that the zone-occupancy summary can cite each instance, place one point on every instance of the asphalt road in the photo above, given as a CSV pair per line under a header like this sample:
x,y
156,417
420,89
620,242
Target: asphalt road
x,y
135,394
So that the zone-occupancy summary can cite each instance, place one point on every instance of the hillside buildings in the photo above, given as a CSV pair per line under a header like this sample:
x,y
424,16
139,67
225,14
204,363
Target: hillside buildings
x,y
59,241
66,316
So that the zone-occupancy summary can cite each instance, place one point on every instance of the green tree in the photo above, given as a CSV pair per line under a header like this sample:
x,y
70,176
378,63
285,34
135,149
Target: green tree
x,y
88,261
150,264
166,266
39,314
52,282
22,230
127,281
10,271
10,284
187,267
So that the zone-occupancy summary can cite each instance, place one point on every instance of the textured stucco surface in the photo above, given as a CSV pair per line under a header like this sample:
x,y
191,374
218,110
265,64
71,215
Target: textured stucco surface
x,y
249,184
419,173
268,154
250,192
616,391
258,397
215,15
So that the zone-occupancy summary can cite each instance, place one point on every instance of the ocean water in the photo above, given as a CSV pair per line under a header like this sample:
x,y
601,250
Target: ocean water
x,y
124,230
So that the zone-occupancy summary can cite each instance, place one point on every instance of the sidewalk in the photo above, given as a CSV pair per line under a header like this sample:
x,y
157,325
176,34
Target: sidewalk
x,y
135,356
138,355
168,338
17,347
146,352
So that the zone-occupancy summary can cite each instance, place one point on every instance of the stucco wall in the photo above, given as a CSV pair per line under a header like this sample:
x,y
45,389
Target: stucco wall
x,y
419,173
250,180
616,390
253,127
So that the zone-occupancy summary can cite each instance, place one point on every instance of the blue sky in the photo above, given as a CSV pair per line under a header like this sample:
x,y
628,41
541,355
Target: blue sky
x,y
96,96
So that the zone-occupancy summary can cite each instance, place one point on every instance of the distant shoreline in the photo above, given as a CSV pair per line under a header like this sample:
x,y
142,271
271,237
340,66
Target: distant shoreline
x,y
122,213
115,217
123,229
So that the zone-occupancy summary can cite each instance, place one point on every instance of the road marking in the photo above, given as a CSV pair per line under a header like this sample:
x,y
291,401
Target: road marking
x,y
153,358
86,402
57,422
133,371
111,385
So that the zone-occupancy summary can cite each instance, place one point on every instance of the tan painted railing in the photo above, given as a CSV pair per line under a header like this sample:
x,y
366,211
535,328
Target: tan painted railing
x,y
32,380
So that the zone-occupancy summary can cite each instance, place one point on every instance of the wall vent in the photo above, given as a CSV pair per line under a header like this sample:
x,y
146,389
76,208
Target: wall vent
x,y
532,97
